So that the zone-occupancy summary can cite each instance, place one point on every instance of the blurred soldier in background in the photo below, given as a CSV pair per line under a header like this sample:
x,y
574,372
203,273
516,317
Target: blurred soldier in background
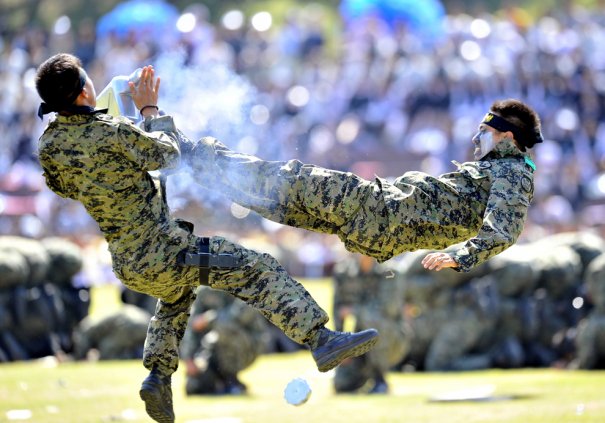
x,y
224,336
449,314
515,277
117,336
464,339
14,271
42,302
36,305
559,282
65,261
590,341
144,301
367,294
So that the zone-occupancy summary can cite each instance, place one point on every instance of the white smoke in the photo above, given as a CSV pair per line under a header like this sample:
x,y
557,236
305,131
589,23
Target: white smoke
x,y
208,100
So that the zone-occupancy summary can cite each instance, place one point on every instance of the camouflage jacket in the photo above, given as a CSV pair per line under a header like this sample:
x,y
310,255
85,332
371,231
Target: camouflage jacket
x,y
375,289
483,204
104,162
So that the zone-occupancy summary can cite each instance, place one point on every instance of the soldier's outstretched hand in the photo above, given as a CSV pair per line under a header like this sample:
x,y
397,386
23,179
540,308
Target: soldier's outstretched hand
x,y
438,261
145,93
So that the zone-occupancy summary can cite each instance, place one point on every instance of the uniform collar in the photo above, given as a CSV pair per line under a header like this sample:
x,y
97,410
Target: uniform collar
x,y
71,110
504,149
508,149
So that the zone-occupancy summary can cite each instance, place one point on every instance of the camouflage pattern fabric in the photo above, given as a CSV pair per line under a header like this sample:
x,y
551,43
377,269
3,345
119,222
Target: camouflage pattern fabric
x,y
65,261
118,336
483,203
108,165
590,342
374,300
231,341
36,257
14,269
451,324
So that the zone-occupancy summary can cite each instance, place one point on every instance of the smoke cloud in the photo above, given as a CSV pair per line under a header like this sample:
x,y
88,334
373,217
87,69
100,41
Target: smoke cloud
x,y
209,100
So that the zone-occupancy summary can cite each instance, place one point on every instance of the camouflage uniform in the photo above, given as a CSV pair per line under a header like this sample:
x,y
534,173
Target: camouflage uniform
x,y
590,341
231,341
13,274
516,276
118,336
37,306
106,163
463,341
375,300
483,203
65,261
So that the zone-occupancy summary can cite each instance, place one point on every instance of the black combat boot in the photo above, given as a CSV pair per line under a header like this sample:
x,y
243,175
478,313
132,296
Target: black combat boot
x,y
156,391
331,347
380,385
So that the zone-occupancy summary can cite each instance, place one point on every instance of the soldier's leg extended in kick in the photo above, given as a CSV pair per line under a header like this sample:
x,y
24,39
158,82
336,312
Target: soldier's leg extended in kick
x,y
296,194
292,193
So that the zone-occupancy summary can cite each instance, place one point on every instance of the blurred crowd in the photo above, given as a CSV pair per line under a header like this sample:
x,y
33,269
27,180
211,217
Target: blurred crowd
x,y
540,304
367,97
45,311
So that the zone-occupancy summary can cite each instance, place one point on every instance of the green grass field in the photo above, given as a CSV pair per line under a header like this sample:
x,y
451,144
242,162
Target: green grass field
x,y
44,391
108,392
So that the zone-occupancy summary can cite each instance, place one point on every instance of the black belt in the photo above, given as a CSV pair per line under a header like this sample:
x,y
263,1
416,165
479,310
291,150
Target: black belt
x,y
203,259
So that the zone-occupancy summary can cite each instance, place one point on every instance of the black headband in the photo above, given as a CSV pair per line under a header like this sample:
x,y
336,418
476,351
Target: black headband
x,y
522,136
46,108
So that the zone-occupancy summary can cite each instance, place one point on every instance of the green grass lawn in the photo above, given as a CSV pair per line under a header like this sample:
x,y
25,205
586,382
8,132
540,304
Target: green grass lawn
x,y
44,391
108,392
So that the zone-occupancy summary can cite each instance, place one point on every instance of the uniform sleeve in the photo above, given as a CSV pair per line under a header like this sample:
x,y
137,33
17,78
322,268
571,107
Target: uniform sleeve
x,y
52,176
503,222
150,150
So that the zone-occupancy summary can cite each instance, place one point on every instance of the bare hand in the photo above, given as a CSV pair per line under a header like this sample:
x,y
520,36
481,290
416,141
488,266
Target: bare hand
x,y
200,322
191,368
438,261
146,91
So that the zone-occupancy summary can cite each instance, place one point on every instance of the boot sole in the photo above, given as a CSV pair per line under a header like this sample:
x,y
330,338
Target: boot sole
x,y
153,405
333,360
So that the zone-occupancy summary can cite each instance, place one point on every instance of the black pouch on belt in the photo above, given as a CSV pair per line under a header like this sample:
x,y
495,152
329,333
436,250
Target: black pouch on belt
x,y
202,258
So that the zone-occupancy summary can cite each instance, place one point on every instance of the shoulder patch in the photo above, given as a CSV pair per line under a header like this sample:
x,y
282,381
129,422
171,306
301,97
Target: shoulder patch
x,y
526,184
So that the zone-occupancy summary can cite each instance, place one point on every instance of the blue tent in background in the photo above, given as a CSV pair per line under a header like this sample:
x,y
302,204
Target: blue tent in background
x,y
155,17
424,17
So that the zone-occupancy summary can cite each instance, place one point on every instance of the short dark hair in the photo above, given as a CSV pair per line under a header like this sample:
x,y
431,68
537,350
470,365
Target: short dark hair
x,y
58,80
523,117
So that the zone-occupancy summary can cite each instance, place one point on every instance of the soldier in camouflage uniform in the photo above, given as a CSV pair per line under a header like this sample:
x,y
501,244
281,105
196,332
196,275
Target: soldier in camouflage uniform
x,y
37,307
65,261
483,202
107,164
450,315
224,336
590,341
117,336
369,295
464,339
14,272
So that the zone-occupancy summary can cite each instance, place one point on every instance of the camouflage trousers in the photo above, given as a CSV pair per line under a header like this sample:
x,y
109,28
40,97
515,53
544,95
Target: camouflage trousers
x,y
298,195
451,347
260,281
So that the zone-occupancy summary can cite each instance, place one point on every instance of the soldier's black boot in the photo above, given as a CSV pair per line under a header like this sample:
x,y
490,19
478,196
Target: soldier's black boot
x,y
380,385
333,347
156,391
